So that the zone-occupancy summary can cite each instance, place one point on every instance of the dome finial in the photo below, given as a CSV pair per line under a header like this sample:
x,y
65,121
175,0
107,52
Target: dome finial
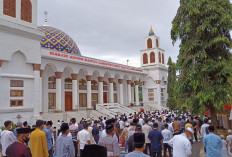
x,y
46,18
151,32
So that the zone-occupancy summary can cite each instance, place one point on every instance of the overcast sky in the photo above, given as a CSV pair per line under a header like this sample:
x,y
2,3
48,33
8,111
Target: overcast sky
x,y
113,30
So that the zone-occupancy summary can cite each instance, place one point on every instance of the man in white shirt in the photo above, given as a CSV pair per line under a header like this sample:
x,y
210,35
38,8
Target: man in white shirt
x,y
167,135
7,137
146,129
83,137
203,127
181,144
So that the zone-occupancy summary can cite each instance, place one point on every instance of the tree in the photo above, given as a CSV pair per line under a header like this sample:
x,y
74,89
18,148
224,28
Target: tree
x,y
204,64
171,84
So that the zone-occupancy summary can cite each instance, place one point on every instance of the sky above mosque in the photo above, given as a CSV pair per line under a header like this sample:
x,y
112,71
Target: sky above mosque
x,y
113,30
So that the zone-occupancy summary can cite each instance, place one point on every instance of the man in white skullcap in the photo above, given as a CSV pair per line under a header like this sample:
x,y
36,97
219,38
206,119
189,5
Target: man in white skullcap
x,y
181,144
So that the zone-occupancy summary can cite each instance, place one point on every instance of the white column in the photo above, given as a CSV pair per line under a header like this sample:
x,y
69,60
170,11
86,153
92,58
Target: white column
x,y
136,92
100,92
129,91
1,6
58,90
158,95
41,90
74,91
120,81
132,93
36,93
111,92
89,92
74,94
18,9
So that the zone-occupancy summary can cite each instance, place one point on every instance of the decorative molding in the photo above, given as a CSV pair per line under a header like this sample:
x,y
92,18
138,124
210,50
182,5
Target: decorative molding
x,y
36,67
89,78
158,82
74,76
136,82
100,79
120,81
128,81
58,75
111,80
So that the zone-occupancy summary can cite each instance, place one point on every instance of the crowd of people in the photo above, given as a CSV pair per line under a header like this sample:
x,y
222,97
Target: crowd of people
x,y
155,134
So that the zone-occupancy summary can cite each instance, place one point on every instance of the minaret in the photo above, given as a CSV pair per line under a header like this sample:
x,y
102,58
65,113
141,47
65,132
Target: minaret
x,y
152,54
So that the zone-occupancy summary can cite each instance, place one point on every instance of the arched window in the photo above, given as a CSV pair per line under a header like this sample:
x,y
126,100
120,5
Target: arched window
x,y
162,58
159,57
68,83
145,58
149,43
9,7
82,84
157,43
26,10
105,85
115,86
152,57
94,85
52,82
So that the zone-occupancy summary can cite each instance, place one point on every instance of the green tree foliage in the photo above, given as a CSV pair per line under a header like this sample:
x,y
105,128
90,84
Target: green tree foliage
x,y
171,84
204,60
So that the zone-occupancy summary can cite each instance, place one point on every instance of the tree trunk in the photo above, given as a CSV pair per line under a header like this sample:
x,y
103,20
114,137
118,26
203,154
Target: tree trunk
x,y
213,117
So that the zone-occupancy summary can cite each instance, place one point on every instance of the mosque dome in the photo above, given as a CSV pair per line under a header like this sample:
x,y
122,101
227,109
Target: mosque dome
x,y
56,39
151,32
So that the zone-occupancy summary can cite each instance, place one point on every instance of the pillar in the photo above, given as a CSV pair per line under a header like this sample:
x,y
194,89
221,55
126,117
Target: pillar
x,y
36,69
136,92
120,81
74,92
58,90
132,93
111,90
129,91
18,9
100,90
159,95
89,93
41,91
1,8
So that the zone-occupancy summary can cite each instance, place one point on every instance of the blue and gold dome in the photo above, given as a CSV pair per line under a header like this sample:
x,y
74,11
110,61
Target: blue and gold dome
x,y
56,39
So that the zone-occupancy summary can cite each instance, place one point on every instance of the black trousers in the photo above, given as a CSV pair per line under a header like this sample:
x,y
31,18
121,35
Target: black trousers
x,y
75,147
50,152
147,147
195,135
169,148
156,154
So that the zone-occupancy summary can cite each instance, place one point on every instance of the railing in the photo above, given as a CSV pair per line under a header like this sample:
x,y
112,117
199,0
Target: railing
x,y
106,110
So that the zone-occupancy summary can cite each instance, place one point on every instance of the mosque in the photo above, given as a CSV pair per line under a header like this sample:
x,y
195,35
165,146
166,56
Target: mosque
x,y
42,68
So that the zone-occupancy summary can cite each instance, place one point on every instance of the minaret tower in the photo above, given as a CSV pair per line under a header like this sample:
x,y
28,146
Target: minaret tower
x,y
152,54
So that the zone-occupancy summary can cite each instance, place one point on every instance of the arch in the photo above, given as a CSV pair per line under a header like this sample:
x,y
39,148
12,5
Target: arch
x,y
94,85
26,10
9,7
149,43
52,82
159,57
69,69
52,66
84,71
152,57
82,84
157,43
145,58
162,58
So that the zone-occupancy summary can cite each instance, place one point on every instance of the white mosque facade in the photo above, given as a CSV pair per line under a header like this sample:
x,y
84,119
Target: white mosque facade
x,y
42,68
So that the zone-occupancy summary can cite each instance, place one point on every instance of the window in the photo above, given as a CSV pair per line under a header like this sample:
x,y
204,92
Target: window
x,y
16,93
150,94
16,103
105,85
149,43
157,43
145,58
115,86
68,83
9,7
51,100
152,57
26,10
94,85
16,83
52,82
159,57
162,58
82,85
162,94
